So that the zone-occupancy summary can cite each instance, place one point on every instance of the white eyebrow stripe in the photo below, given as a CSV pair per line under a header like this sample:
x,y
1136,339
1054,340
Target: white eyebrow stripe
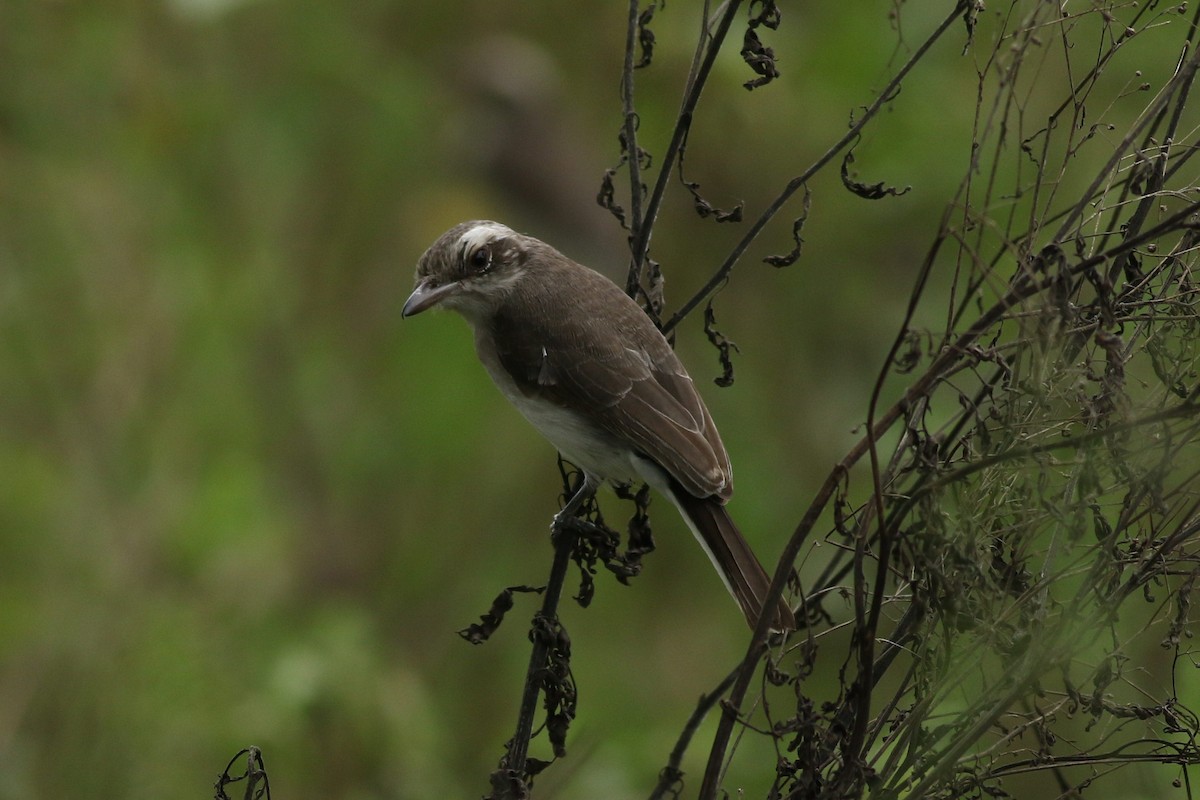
x,y
482,233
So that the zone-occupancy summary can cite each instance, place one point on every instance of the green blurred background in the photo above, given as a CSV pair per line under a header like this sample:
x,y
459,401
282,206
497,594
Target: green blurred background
x,y
242,503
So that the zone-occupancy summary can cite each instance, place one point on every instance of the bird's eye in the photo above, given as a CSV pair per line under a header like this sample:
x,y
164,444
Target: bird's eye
x,y
481,260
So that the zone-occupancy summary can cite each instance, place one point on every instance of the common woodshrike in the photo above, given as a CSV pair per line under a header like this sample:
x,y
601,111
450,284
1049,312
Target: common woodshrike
x,y
587,367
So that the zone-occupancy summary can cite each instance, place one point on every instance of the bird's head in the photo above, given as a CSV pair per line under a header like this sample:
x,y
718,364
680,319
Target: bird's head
x,y
471,268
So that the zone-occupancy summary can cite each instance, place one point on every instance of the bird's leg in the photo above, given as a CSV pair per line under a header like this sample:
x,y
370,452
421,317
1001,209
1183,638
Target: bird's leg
x,y
584,493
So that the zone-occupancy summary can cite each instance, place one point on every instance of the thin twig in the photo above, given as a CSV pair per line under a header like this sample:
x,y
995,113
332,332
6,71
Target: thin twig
x,y
683,123
719,277
632,150
518,751
671,773
867,622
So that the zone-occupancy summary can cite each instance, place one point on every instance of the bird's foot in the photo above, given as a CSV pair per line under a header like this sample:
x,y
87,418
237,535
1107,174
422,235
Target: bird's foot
x,y
570,510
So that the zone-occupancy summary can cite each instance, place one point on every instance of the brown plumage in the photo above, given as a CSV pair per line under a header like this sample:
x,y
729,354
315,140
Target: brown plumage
x,y
592,373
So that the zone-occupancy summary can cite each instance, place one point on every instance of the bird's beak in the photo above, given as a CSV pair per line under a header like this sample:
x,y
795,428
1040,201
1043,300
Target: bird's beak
x,y
426,296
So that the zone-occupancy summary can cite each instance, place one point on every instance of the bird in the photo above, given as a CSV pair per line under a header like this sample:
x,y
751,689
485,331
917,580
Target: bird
x,y
593,374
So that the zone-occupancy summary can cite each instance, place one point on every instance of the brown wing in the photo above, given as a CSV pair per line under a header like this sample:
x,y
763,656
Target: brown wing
x,y
578,340
655,407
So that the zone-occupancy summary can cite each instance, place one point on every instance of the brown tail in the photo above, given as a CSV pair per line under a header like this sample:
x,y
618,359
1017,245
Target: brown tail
x,y
731,555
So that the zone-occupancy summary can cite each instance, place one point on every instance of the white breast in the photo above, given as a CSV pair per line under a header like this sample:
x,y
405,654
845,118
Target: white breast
x,y
581,442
